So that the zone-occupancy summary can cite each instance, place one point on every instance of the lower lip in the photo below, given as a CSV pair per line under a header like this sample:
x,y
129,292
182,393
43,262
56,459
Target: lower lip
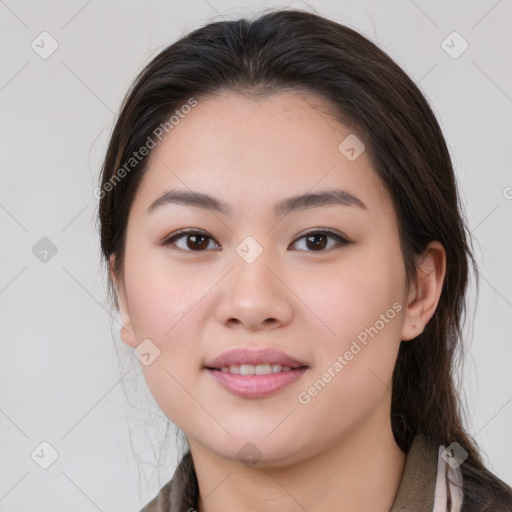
x,y
256,386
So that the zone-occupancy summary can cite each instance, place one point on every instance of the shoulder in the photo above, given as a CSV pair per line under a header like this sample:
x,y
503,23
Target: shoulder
x,y
180,494
161,502
483,491
431,480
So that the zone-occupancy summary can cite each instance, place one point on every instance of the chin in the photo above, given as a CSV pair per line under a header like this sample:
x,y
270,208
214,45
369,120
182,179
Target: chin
x,y
258,453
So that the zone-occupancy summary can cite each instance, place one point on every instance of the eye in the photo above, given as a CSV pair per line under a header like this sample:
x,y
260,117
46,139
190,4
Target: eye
x,y
197,241
318,240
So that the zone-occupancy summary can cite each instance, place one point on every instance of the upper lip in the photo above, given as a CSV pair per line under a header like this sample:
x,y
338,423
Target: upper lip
x,y
238,356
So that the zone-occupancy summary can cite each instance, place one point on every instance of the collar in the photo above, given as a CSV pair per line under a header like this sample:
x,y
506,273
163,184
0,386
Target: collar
x,y
431,482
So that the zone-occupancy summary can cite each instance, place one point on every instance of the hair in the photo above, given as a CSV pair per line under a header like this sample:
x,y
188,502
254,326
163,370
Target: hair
x,y
293,50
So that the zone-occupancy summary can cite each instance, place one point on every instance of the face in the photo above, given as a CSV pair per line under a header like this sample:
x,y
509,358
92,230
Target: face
x,y
321,281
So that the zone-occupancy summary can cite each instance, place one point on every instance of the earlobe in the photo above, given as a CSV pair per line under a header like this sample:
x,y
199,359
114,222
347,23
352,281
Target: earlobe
x,y
126,330
425,293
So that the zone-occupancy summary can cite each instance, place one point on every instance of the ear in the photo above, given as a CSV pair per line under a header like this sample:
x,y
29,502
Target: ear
x,y
126,331
424,295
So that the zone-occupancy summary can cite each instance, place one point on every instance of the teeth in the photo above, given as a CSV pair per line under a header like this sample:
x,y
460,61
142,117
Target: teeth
x,y
261,369
251,369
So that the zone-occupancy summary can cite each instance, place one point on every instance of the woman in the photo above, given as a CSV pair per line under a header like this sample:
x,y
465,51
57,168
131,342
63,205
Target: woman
x,y
285,241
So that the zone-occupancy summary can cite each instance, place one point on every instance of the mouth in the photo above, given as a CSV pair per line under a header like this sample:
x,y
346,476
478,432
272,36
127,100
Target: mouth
x,y
259,369
255,374
248,384
253,362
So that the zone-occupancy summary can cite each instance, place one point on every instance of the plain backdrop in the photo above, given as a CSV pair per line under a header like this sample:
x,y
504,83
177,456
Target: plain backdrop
x,y
61,361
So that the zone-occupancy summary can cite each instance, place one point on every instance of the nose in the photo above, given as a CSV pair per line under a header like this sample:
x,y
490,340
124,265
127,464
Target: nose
x,y
255,296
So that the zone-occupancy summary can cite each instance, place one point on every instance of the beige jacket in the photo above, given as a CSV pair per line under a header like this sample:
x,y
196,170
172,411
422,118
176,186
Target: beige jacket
x,y
429,484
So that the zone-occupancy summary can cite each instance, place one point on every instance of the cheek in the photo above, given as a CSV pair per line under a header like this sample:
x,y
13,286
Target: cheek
x,y
164,308
167,311
163,297
350,296
361,316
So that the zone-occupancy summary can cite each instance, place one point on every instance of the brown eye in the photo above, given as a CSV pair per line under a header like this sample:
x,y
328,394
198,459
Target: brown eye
x,y
195,241
317,241
199,241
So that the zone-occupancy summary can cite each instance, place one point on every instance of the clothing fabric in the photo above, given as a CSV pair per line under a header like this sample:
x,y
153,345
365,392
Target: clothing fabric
x,y
428,484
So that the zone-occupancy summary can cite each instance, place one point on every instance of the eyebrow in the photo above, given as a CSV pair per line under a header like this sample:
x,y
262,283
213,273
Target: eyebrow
x,y
291,204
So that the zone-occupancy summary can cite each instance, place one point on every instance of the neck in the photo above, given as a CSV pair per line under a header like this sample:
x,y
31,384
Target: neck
x,y
361,471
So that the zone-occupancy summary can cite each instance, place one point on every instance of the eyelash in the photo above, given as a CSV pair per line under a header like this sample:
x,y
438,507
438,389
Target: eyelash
x,y
341,241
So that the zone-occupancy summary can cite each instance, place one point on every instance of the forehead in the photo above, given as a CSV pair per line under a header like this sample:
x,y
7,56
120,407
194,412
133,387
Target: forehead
x,y
244,148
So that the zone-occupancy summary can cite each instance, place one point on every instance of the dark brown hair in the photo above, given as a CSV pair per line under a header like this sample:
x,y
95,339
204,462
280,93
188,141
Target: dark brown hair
x,y
370,93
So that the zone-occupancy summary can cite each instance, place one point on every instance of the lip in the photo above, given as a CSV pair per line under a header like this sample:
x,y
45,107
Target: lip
x,y
255,386
237,356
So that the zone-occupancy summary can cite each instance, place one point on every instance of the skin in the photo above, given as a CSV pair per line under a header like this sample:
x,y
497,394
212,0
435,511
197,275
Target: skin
x,y
336,452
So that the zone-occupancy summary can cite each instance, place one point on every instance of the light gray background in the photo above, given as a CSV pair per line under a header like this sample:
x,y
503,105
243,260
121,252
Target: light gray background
x,y
59,371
